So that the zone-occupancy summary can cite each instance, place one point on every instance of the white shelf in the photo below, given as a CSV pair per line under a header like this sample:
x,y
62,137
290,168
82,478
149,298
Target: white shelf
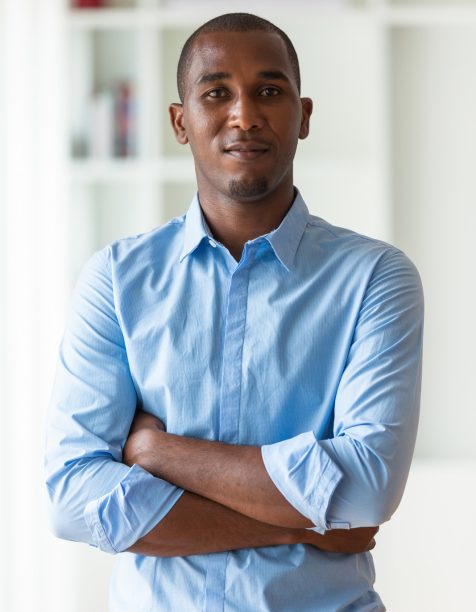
x,y
422,16
130,170
154,19
98,19
102,19
181,169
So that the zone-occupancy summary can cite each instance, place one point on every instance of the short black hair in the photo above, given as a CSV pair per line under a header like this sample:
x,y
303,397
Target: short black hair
x,y
233,22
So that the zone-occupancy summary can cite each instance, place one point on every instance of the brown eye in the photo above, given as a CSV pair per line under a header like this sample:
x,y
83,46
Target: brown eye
x,y
217,93
269,91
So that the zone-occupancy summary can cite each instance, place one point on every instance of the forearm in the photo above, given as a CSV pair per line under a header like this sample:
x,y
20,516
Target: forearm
x,y
233,476
196,525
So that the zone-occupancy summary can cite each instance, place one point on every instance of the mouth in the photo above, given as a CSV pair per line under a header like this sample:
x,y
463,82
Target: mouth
x,y
246,150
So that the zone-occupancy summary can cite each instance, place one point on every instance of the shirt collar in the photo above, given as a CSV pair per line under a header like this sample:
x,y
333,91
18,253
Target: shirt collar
x,y
284,240
196,228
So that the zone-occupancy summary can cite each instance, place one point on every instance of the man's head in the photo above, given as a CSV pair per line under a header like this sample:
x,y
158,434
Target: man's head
x,y
241,110
233,22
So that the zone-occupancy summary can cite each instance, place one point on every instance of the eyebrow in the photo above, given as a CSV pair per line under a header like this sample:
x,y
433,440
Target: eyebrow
x,y
211,77
273,75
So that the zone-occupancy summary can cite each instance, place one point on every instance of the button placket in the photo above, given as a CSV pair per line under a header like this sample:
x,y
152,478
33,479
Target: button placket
x,y
230,396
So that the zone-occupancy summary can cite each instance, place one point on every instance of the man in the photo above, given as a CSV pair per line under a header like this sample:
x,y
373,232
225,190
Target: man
x,y
271,362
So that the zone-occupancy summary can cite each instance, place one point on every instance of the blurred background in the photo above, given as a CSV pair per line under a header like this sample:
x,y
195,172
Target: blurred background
x,y
87,156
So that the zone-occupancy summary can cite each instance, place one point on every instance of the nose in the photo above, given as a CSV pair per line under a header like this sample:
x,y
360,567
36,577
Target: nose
x,y
245,114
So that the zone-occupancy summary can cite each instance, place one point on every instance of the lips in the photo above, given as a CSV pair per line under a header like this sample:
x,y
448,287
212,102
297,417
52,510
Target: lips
x,y
246,150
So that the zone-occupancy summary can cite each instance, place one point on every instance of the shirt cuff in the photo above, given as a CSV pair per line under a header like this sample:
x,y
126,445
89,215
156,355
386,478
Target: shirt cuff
x,y
305,475
125,514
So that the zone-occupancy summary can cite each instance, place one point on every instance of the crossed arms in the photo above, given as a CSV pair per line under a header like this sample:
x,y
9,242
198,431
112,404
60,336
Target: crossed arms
x,y
229,503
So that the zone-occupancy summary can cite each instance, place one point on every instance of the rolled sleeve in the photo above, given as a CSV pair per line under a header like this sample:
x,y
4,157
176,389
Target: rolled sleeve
x,y
377,402
304,474
135,505
93,497
357,477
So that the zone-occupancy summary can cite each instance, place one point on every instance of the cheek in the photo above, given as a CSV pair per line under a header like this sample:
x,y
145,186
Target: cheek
x,y
199,122
201,135
286,124
288,138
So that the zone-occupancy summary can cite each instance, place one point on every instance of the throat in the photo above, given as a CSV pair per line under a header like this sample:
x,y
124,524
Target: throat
x,y
235,221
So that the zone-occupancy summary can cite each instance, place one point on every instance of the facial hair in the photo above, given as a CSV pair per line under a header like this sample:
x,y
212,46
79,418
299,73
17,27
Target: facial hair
x,y
244,189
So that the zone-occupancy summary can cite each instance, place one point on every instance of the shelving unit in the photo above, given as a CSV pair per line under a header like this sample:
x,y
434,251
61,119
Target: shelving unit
x,y
367,64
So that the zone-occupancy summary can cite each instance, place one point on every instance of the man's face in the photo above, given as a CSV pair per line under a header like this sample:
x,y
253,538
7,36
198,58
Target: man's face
x,y
241,114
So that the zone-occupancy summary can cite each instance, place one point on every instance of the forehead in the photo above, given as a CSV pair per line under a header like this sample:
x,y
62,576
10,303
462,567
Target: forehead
x,y
237,52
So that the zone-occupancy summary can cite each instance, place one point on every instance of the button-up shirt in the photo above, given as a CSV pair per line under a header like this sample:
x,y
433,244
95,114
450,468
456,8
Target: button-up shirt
x,y
309,347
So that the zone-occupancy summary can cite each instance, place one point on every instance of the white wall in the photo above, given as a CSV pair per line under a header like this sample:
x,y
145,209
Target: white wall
x,y
424,556
434,102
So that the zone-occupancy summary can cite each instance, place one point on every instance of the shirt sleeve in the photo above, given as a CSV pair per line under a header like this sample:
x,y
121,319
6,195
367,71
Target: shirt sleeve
x,y
93,497
357,478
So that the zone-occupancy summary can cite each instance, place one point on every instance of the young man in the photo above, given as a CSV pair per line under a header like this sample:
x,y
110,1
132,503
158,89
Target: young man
x,y
256,367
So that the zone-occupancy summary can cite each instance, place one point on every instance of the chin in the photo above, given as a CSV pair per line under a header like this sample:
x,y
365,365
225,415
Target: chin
x,y
242,189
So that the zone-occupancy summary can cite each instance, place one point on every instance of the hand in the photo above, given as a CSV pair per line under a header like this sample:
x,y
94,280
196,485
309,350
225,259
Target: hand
x,y
145,420
349,541
141,437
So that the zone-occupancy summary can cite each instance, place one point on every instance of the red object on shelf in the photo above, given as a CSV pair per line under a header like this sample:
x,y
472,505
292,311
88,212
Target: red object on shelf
x,y
88,3
124,120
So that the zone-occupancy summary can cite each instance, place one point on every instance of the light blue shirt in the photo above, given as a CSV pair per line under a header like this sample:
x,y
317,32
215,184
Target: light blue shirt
x,y
309,347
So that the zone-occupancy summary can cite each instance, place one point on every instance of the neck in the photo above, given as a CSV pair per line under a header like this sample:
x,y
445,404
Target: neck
x,y
234,222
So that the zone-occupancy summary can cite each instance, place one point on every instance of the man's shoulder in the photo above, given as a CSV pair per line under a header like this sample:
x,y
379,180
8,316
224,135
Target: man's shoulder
x,y
353,256
163,241
343,242
128,259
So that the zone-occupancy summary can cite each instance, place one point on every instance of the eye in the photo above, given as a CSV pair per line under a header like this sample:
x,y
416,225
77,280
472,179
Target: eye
x,y
218,92
267,92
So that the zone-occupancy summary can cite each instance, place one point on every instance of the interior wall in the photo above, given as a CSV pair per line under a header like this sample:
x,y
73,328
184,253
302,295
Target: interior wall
x,y
434,134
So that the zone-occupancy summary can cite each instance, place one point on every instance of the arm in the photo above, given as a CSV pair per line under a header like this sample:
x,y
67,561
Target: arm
x,y
355,479
231,475
93,496
196,525
378,398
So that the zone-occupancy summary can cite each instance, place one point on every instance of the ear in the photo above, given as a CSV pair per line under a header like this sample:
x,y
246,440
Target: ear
x,y
176,119
306,104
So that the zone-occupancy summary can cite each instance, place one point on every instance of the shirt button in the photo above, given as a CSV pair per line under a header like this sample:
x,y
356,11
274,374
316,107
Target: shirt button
x,y
212,243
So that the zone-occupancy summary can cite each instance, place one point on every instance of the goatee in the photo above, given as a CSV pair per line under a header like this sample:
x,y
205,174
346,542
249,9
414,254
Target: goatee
x,y
247,189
